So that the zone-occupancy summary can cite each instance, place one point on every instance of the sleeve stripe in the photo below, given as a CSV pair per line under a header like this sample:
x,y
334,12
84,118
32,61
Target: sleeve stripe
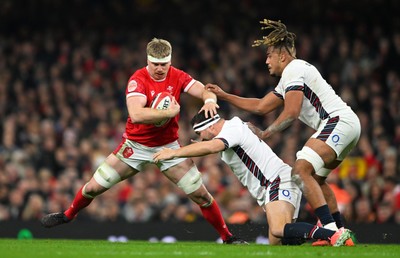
x,y
277,94
225,142
190,84
299,88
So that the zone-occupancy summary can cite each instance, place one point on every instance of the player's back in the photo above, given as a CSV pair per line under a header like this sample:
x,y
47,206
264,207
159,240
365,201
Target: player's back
x,y
250,158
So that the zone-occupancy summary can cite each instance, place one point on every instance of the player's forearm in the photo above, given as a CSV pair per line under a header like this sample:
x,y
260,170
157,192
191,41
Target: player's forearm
x,y
150,116
194,150
247,104
209,96
277,126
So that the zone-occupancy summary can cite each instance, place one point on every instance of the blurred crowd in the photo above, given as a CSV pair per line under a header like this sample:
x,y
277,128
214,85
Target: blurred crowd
x,y
64,69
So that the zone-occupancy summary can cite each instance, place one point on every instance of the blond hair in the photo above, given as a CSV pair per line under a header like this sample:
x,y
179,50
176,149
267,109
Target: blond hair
x,y
279,37
159,48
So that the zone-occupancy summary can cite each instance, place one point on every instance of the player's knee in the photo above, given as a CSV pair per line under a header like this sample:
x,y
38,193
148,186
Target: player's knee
x,y
276,231
191,181
88,191
312,158
106,176
201,196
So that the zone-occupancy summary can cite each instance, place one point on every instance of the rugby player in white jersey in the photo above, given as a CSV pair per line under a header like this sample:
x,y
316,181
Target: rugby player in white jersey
x,y
258,168
304,94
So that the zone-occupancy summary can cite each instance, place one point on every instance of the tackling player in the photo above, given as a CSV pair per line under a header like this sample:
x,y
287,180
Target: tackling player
x,y
266,176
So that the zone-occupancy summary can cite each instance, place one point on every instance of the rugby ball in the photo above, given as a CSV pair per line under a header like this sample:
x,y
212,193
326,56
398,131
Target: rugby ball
x,y
162,101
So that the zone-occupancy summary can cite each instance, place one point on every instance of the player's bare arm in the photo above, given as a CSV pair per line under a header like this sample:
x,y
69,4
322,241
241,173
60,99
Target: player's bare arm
x,y
268,103
209,98
247,104
291,111
193,150
254,105
145,115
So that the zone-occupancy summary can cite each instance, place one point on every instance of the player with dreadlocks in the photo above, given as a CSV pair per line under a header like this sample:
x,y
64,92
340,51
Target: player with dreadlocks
x,y
304,94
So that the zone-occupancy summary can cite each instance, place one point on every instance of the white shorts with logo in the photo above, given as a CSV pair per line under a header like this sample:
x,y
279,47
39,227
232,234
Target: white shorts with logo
x,y
139,156
284,188
341,133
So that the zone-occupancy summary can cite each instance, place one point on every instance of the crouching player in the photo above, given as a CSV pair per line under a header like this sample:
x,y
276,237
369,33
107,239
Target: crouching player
x,y
259,169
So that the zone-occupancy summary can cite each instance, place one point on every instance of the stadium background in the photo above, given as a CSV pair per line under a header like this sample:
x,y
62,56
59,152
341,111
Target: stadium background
x,y
63,70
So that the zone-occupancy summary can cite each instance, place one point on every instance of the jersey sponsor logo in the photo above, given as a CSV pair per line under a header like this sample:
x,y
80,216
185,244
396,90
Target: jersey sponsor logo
x,y
132,85
286,193
335,138
128,151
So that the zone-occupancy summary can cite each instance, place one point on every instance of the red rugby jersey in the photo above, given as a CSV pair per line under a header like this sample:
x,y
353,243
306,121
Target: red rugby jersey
x,y
140,83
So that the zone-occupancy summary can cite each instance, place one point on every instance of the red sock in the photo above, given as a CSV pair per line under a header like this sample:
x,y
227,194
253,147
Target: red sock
x,y
78,204
213,215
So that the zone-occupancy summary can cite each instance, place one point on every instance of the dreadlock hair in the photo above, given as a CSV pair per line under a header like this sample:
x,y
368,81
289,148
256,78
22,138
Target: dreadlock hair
x,y
279,37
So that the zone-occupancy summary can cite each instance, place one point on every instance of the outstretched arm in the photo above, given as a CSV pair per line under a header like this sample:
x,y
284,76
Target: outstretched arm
x,y
192,150
255,105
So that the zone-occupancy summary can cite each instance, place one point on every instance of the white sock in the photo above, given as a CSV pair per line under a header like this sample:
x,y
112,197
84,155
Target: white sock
x,y
331,226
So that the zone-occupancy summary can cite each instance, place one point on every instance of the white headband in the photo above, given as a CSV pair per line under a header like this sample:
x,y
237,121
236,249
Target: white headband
x,y
159,60
206,123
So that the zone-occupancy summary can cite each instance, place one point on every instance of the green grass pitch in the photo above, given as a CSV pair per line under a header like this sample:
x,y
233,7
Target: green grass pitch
x,y
54,248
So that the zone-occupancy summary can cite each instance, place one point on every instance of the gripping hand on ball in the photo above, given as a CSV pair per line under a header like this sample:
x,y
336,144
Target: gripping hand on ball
x,y
174,108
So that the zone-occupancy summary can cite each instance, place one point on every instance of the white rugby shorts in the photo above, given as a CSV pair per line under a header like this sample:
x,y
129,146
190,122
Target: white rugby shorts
x,y
283,188
138,156
341,133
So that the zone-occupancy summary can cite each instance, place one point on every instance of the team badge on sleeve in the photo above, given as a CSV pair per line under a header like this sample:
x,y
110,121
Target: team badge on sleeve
x,y
132,85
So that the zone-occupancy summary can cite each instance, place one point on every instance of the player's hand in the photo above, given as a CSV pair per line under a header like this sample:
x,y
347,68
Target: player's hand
x,y
210,109
174,108
163,154
257,131
216,90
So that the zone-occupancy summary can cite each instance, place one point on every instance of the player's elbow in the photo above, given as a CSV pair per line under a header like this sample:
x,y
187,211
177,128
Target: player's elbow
x,y
136,118
262,109
259,111
257,108
293,115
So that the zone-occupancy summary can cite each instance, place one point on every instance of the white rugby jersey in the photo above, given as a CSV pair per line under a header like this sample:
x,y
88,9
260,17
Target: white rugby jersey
x,y
251,159
320,101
